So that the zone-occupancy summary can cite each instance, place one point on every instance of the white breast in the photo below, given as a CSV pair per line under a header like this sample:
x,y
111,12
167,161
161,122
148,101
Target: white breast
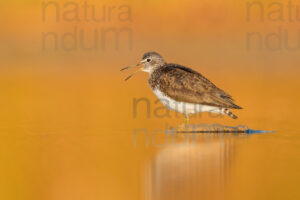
x,y
182,107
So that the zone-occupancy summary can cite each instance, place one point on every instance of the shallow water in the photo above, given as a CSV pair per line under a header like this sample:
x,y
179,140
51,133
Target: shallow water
x,y
122,164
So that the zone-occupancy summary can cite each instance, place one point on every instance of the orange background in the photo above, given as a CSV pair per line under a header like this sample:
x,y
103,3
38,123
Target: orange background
x,y
66,117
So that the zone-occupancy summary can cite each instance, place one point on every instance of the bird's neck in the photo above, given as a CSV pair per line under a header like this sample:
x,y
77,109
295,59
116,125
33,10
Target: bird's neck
x,y
154,77
155,70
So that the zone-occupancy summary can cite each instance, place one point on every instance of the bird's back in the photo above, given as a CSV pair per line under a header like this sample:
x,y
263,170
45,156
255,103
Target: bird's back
x,y
186,85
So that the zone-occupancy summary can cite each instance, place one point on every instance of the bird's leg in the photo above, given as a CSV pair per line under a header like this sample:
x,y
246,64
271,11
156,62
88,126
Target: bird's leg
x,y
183,127
186,119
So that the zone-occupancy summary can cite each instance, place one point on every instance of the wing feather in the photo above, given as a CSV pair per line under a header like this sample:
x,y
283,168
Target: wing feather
x,y
186,85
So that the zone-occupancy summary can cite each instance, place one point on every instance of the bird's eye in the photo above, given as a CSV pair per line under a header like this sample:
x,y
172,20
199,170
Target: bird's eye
x,y
148,60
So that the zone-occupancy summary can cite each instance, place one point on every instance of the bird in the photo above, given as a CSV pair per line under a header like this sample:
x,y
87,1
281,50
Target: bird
x,y
183,89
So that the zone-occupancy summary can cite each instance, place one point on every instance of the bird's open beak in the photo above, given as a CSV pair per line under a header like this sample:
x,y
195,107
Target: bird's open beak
x,y
130,67
133,74
139,64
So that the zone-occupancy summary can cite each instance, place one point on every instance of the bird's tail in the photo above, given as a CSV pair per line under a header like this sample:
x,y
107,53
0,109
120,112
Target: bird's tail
x,y
230,114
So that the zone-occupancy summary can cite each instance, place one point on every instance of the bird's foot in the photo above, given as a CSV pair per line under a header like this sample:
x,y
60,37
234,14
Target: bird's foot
x,y
184,127
181,127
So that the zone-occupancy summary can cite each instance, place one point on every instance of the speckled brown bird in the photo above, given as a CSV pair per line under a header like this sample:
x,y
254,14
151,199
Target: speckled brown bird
x,y
184,90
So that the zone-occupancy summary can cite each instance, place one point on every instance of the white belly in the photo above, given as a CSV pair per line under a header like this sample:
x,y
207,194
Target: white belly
x,y
182,107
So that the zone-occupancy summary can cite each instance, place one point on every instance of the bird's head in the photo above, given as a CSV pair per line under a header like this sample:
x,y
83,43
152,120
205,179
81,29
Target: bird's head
x,y
151,61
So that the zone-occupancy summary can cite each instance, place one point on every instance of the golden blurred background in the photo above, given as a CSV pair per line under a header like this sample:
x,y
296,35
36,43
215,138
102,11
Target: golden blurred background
x,y
66,120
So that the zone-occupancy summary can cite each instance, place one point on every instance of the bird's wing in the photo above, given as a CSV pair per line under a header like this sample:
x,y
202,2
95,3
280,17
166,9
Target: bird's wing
x,y
186,85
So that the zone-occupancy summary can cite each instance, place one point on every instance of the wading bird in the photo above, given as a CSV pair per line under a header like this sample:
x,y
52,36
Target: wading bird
x,y
182,89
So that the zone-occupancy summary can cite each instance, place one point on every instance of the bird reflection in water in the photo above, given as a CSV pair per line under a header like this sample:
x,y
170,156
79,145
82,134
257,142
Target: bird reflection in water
x,y
199,170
